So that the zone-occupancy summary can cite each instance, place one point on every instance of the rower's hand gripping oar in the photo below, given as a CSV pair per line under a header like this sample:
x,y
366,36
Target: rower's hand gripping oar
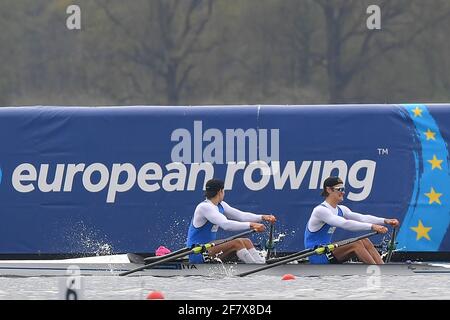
x,y
196,249
308,252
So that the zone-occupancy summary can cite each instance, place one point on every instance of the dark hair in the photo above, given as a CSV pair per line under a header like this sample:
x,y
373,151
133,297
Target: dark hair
x,y
330,182
213,186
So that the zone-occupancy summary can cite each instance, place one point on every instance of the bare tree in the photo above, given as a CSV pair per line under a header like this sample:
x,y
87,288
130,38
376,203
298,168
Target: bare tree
x,y
172,37
351,47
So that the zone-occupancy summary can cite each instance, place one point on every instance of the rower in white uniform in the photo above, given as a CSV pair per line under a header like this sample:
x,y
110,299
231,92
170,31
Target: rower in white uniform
x,y
328,216
214,213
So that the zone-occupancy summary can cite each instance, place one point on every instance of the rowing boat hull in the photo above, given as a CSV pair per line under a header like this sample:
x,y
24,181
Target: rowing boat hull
x,y
99,267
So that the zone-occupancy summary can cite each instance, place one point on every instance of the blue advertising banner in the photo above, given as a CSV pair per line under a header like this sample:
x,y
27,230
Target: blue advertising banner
x,y
127,179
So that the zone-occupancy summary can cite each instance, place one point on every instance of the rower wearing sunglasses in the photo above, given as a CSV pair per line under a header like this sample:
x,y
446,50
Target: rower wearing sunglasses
x,y
328,216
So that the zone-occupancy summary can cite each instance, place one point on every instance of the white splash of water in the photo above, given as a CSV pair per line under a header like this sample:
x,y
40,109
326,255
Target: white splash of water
x,y
90,240
279,238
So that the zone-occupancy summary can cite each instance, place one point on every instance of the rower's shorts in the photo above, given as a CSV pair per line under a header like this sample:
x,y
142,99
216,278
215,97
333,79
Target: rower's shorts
x,y
331,258
327,258
196,258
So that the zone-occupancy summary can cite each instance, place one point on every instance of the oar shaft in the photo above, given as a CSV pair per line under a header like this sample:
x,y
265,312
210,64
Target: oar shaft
x,y
187,249
269,249
299,255
155,258
278,263
271,261
239,235
162,260
391,245
348,241
197,249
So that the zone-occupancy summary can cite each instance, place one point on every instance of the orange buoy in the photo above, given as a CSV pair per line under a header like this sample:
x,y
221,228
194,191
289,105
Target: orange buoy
x,y
288,276
155,295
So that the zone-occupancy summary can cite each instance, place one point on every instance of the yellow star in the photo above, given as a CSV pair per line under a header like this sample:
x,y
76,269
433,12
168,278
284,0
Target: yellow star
x,y
422,231
417,112
434,196
430,135
435,163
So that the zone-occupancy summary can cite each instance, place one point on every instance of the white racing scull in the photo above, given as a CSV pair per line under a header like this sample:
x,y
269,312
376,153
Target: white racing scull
x,y
115,264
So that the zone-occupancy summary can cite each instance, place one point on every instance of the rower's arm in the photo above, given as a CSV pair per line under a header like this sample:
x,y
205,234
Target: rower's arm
x,y
348,214
236,214
211,214
323,214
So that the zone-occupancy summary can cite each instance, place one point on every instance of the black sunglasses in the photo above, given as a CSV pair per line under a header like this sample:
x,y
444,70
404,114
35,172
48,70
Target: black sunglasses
x,y
341,189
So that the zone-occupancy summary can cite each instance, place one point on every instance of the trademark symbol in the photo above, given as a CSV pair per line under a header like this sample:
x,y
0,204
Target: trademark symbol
x,y
383,151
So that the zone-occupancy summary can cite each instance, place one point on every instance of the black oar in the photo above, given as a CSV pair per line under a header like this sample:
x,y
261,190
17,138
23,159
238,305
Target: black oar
x,y
270,242
309,252
391,245
135,258
296,254
156,258
196,249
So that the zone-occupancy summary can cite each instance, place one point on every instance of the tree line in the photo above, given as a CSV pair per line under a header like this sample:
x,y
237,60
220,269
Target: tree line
x,y
210,52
